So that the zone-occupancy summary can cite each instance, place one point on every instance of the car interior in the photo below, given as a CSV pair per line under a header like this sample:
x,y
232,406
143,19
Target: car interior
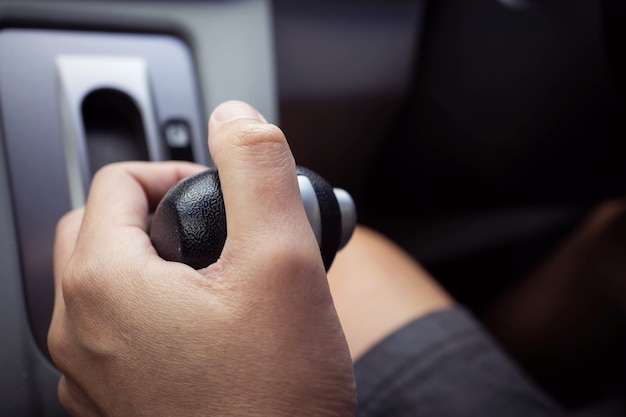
x,y
476,134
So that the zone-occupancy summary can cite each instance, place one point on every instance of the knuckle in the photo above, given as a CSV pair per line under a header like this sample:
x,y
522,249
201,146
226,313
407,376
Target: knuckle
x,y
68,220
107,170
294,256
77,286
66,397
60,345
114,170
256,135
266,145
106,174
57,346
63,394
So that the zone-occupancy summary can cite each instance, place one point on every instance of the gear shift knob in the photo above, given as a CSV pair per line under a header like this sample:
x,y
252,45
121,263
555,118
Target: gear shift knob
x,y
189,224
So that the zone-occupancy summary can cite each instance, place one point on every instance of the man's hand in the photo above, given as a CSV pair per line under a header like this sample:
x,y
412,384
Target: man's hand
x,y
256,333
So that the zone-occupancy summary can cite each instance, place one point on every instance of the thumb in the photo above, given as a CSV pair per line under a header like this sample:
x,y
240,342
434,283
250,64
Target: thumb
x,y
258,180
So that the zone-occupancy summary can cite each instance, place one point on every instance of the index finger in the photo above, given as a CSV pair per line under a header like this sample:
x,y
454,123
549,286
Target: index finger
x,y
123,194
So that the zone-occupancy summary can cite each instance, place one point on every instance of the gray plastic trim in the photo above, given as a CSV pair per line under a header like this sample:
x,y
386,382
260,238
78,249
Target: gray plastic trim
x,y
28,381
232,41
79,76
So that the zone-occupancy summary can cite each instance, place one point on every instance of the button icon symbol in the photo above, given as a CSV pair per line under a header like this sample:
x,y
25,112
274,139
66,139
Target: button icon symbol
x,y
177,134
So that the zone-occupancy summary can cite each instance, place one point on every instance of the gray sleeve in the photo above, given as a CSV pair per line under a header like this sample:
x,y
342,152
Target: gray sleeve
x,y
444,364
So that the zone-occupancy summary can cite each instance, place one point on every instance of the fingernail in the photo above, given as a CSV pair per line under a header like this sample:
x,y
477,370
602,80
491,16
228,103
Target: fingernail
x,y
233,110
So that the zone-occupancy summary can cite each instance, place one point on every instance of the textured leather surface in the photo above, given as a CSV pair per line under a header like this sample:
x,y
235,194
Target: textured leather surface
x,y
189,225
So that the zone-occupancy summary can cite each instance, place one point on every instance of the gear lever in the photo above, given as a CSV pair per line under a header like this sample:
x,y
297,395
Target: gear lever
x,y
189,224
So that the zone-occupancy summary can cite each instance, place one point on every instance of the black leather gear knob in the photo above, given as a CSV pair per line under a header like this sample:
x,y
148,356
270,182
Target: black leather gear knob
x,y
189,224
